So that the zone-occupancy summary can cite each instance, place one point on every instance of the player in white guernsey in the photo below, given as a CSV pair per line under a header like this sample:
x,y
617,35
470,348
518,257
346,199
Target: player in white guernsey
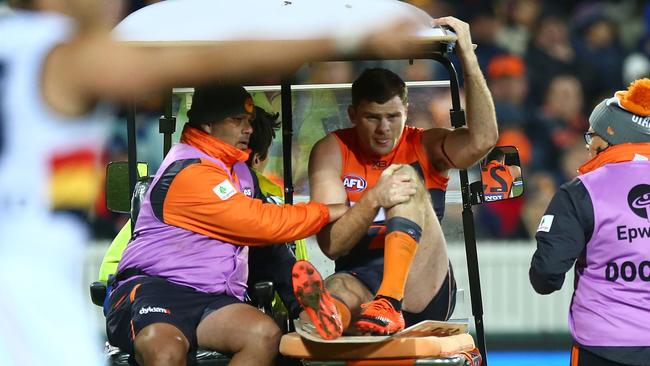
x,y
41,252
53,74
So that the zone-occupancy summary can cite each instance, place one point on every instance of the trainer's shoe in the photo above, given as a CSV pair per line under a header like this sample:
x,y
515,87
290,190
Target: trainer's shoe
x,y
380,317
316,300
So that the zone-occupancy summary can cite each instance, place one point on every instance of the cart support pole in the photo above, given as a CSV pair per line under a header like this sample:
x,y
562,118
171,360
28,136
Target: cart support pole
x,y
472,266
287,136
167,123
458,120
131,150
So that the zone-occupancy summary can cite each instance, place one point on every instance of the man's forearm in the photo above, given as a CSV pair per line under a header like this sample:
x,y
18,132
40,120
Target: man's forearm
x,y
133,71
339,237
481,118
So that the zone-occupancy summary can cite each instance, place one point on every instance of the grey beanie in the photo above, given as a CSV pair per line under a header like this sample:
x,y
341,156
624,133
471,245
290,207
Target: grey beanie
x,y
616,125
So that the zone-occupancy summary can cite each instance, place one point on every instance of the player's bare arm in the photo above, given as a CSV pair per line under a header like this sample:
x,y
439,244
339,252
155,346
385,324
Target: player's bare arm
x,y
326,187
336,211
463,147
93,66
337,238
515,171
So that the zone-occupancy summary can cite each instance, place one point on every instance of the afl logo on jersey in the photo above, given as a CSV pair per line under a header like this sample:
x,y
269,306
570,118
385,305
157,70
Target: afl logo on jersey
x,y
354,183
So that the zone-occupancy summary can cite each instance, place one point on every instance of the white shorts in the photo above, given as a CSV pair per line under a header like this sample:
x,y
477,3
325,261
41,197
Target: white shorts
x,y
45,314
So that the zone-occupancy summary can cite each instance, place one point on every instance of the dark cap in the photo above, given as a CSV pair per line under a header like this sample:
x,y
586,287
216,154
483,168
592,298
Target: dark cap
x,y
625,117
217,102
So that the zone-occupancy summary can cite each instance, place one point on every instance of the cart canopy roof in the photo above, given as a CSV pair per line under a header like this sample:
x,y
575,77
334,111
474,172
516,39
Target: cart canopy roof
x,y
199,22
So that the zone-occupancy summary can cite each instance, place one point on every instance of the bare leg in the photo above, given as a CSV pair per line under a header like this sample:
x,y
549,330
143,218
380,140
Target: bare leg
x,y
429,267
161,344
351,292
241,329
430,263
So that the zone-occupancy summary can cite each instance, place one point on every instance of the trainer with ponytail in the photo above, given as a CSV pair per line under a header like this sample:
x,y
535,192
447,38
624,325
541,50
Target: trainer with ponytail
x,y
601,222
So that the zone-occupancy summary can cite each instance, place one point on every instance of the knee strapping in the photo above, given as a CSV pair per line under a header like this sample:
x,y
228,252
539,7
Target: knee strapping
x,y
404,225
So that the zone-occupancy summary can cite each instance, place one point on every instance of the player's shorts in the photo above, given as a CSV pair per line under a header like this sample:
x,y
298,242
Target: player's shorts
x,y
441,306
147,300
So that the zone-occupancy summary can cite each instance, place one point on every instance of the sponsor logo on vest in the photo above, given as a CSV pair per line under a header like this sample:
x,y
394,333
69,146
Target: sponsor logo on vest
x,y
639,200
546,223
224,190
153,309
641,121
354,183
628,271
248,191
630,233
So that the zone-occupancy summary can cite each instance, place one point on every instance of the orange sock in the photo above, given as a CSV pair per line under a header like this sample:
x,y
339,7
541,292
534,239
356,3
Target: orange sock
x,y
399,250
344,311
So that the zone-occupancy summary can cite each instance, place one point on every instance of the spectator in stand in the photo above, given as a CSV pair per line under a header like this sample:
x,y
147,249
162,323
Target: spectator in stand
x,y
507,80
485,26
558,123
572,158
549,54
509,87
636,65
598,52
521,16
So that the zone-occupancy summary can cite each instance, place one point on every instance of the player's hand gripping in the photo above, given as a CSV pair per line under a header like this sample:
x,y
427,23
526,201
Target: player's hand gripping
x,y
464,44
394,187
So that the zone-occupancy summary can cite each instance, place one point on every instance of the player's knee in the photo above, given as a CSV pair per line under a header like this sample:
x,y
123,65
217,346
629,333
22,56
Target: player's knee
x,y
161,344
264,334
160,351
416,178
407,170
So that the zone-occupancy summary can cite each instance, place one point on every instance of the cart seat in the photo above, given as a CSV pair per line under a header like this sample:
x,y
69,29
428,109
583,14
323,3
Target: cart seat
x,y
201,357
451,350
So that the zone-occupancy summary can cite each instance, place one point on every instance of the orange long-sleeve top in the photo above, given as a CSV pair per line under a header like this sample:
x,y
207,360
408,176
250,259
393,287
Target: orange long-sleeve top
x,y
192,202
